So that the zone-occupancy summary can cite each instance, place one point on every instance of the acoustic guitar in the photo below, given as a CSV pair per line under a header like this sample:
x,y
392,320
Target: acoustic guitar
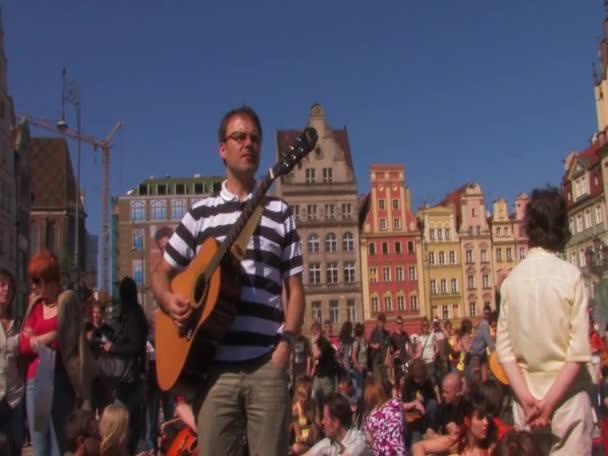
x,y
496,369
211,284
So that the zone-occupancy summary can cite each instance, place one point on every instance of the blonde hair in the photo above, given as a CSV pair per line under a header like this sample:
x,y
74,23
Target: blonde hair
x,y
113,429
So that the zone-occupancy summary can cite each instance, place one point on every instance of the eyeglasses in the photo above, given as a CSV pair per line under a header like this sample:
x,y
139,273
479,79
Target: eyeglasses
x,y
241,136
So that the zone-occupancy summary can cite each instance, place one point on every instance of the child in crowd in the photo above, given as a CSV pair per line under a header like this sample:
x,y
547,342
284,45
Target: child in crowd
x,y
114,431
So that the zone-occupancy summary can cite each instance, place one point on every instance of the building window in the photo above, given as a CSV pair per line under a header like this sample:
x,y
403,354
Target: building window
x,y
138,209
199,188
138,272
137,239
484,255
51,232
410,247
472,309
295,209
347,211
443,286
599,214
351,311
375,304
522,253
396,223
331,243
411,273
373,275
161,189
349,272
431,257
478,230
395,204
579,223
314,273
380,204
499,255
506,230
445,314
371,249
432,234
442,257
180,189
388,304
334,311
454,285
158,210
310,175
399,273
398,247
330,212
452,257
587,218
469,256
328,175
178,209
433,287
497,231
316,311
332,273
400,303
382,224
447,234
386,274
311,212
348,243
314,245
385,248
509,254
485,281
470,231
439,234
471,282
414,302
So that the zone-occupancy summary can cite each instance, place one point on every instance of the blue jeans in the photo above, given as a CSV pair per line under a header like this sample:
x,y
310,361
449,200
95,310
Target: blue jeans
x,y
357,378
12,422
155,397
52,441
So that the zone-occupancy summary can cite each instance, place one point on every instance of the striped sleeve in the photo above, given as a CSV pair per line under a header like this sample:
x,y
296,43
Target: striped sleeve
x,y
291,255
181,248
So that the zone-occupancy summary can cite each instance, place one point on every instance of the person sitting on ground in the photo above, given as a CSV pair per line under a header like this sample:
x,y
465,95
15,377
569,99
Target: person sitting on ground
x,y
449,409
517,443
80,426
341,436
114,431
304,430
419,395
384,424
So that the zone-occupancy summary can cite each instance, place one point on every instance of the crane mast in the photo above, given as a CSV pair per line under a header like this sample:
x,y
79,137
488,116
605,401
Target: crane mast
x,y
105,147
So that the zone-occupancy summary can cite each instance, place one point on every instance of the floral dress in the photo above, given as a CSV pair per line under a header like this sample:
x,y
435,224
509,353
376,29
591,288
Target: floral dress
x,y
387,428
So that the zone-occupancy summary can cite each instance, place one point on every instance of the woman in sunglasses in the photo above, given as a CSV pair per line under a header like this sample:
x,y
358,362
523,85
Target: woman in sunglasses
x,y
53,321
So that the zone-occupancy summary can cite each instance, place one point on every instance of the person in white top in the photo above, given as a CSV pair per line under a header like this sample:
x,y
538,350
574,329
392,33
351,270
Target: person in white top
x,y
542,335
342,438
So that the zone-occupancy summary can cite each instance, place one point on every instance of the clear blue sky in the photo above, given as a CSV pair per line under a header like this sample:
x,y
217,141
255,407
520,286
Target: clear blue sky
x,y
496,92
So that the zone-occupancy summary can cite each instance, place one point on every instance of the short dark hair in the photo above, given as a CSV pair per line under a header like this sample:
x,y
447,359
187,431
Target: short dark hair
x,y
241,110
359,329
162,232
339,408
546,219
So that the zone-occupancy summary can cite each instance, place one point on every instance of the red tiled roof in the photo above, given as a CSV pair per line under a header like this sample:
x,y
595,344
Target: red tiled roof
x,y
286,138
454,198
53,182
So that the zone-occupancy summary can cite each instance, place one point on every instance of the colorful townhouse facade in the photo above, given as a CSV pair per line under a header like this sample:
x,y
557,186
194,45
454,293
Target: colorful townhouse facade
x,y
322,193
442,262
391,266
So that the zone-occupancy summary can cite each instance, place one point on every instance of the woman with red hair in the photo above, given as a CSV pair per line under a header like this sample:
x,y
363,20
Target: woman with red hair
x,y
54,319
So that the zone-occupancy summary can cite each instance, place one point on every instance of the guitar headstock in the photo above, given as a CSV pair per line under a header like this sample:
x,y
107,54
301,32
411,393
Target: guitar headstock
x,y
303,144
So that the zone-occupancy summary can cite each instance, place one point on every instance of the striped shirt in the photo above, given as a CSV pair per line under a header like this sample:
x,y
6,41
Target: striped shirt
x,y
274,254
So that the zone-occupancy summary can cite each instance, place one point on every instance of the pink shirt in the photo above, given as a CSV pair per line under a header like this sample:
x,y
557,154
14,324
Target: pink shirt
x,y
39,326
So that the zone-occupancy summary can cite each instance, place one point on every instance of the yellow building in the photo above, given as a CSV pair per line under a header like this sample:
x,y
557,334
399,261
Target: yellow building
x,y
441,262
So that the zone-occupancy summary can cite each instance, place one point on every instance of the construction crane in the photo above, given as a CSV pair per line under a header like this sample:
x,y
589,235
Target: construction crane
x,y
105,146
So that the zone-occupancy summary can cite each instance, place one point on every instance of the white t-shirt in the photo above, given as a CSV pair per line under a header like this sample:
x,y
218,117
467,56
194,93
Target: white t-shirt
x,y
353,444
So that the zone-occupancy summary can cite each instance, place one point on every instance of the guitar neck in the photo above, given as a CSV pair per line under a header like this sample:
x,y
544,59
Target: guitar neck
x,y
240,223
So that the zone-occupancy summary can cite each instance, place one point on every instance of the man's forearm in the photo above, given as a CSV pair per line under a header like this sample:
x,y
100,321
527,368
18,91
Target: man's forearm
x,y
160,283
294,313
563,382
516,380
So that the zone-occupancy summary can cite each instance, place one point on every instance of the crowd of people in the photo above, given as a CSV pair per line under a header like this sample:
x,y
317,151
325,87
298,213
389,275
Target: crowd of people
x,y
74,381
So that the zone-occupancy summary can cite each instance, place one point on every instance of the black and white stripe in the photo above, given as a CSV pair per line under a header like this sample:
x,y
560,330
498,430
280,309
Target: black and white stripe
x,y
273,254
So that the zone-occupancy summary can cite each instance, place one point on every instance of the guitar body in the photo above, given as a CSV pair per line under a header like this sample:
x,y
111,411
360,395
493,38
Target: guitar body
x,y
183,353
496,369
184,444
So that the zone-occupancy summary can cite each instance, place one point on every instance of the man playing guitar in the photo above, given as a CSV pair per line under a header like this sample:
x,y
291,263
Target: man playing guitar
x,y
247,384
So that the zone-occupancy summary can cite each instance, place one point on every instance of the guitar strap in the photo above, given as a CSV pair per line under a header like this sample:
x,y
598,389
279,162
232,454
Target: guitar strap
x,y
239,247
